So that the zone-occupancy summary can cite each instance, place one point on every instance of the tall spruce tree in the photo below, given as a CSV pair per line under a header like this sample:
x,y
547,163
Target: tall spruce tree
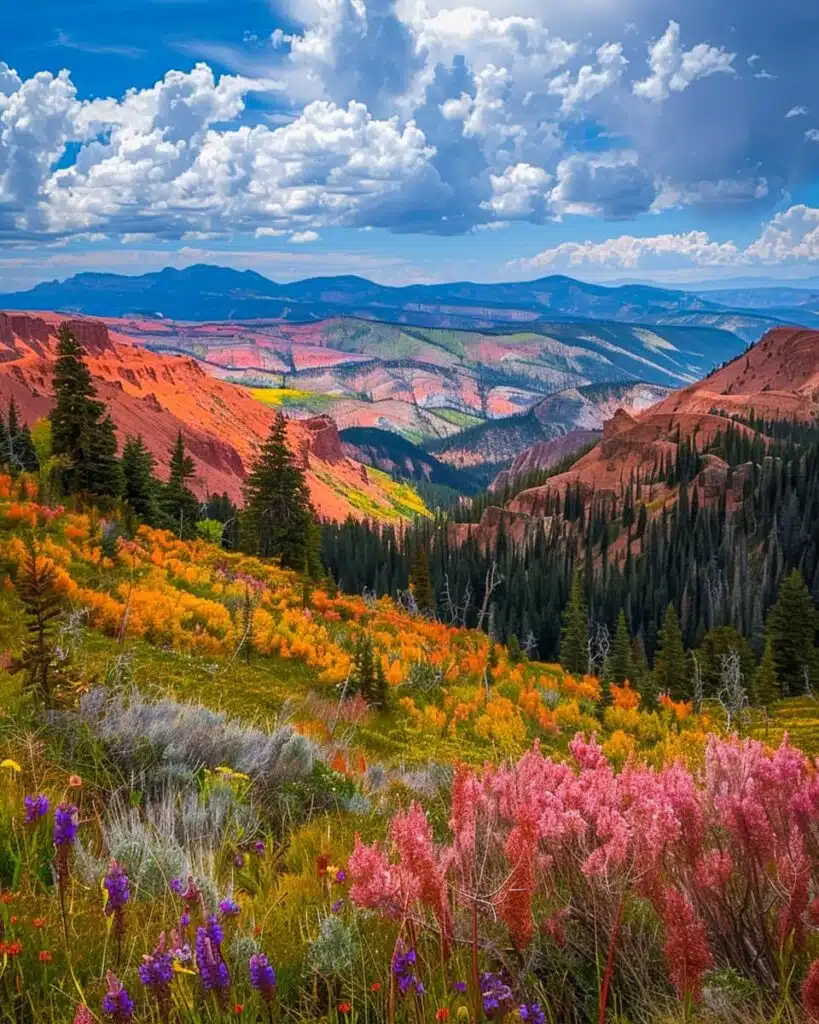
x,y
791,631
765,691
574,637
179,504
79,431
17,445
276,519
421,584
140,487
619,662
670,665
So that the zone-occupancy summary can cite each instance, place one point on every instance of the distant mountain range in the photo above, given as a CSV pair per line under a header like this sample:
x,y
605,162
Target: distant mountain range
x,y
203,292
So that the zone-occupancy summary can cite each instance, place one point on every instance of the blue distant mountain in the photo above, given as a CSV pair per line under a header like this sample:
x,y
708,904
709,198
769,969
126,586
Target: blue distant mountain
x,y
203,292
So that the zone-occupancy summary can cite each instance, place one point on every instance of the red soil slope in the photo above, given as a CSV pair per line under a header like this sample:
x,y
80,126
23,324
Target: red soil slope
x,y
158,395
777,379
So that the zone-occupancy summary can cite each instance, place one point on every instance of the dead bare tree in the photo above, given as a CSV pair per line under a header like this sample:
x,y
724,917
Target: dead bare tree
x,y
598,648
529,646
493,580
732,695
456,611
697,683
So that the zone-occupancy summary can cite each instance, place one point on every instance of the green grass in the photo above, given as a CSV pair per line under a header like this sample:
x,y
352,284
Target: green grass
x,y
458,418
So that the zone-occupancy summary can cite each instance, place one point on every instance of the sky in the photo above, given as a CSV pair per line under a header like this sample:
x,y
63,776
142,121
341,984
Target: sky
x,y
411,140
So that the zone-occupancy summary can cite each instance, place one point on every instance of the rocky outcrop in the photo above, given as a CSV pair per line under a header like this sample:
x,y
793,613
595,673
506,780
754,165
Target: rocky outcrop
x,y
544,456
520,528
323,440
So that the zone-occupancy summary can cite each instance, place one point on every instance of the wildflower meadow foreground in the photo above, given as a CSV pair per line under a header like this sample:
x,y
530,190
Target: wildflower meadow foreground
x,y
230,794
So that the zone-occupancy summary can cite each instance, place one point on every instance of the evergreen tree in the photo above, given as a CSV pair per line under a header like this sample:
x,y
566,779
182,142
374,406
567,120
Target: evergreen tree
x,y
513,647
574,638
619,662
44,667
179,503
140,486
80,432
421,584
670,666
17,444
277,515
791,631
368,676
766,686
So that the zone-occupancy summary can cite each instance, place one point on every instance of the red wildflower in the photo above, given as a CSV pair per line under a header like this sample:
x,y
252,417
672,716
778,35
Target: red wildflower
x,y
14,949
13,919
375,987
239,1009
810,992
442,1014
45,956
74,781
6,897
38,922
686,950
83,1015
321,864
344,1007
514,901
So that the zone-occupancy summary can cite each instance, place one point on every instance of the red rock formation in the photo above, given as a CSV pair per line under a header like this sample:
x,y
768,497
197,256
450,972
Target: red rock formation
x,y
158,396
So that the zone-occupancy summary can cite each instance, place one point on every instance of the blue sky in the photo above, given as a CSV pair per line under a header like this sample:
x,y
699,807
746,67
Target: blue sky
x,y
411,140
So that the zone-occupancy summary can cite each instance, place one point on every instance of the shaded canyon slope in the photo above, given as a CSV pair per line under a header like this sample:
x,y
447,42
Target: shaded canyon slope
x,y
158,395
777,379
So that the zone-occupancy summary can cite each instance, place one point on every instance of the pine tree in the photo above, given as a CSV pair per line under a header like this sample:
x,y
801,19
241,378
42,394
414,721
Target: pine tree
x,y
79,431
791,631
421,584
766,686
670,667
179,504
363,678
619,662
40,660
574,637
277,515
514,649
17,444
140,486
105,471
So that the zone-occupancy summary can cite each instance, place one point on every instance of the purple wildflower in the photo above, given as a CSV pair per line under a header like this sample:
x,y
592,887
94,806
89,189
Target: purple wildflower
x,y
239,859
459,986
337,905
259,847
262,976
496,995
117,1005
36,808
65,825
214,932
177,886
341,876
403,967
213,970
532,1013
229,908
184,920
116,885
156,974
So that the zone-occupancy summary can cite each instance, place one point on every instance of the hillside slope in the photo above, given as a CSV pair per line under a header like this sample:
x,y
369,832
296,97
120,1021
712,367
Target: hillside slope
x,y
777,379
159,395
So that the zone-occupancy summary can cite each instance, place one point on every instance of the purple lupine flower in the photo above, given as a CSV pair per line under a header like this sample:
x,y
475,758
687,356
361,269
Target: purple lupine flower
x,y
156,974
262,976
259,847
184,920
66,822
459,986
229,908
239,859
180,950
116,885
403,967
214,932
336,906
532,1013
496,995
341,876
212,968
177,886
117,1005
36,807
